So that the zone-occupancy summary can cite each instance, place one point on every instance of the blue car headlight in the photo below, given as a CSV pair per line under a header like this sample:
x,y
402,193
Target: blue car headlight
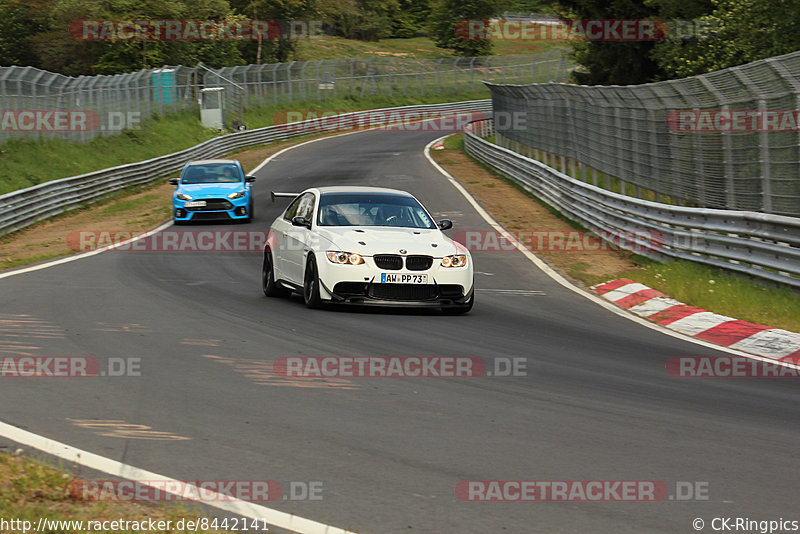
x,y
237,194
183,196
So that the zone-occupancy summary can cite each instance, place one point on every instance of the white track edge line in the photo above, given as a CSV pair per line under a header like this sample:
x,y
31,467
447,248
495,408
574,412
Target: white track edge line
x,y
549,271
119,469
75,257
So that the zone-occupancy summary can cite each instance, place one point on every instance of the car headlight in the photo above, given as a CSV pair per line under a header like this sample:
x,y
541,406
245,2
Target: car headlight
x,y
237,194
344,258
183,196
456,260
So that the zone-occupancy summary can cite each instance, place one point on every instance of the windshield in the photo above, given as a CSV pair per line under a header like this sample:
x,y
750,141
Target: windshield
x,y
372,209
212,173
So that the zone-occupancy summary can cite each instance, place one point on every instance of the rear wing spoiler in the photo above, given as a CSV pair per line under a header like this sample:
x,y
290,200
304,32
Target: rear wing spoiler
x,y
274,195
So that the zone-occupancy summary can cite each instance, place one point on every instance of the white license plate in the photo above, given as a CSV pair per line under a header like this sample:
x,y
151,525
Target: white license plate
x,y
400,278
196,204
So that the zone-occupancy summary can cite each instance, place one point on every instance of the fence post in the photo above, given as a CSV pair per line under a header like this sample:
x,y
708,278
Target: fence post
x,y
792,80
727,147
763,141
389,74
472,74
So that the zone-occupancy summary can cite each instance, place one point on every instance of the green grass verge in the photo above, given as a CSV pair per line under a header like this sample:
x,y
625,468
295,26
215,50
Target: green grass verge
x,y
27,163
129,204
726,293
30,489
330,47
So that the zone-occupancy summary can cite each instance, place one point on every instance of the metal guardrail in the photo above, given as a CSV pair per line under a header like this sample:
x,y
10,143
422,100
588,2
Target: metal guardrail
x,y
22,208
757,244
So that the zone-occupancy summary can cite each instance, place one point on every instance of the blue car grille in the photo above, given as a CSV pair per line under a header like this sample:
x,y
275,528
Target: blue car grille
x,y
210,216
214,204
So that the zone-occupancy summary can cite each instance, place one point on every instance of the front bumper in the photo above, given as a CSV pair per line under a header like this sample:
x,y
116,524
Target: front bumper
x,y
217,209
360,285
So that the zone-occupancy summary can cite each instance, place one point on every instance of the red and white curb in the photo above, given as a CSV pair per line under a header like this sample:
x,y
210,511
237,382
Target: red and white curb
x,y
701,324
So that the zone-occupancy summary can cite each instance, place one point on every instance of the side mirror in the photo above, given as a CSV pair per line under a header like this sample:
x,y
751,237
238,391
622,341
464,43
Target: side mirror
x,y
250,179
173,181
445,224
301,221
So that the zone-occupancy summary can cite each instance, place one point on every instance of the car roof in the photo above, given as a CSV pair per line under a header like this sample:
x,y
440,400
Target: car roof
x,y
358,189
207,161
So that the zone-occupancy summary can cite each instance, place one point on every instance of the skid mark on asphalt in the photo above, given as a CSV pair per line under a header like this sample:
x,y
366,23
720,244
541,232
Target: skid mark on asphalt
x,y
262,374
17,348
202,342
513,292
27,326
20,334
134,328
117,428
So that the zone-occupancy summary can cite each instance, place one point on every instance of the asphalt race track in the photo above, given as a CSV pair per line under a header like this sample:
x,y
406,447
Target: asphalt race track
x,y
596,404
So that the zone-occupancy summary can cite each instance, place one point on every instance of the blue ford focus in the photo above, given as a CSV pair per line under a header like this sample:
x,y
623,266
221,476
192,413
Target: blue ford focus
x,y
213,189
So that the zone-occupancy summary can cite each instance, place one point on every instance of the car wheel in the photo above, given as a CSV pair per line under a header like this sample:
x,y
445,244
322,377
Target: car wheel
x,y
460,310
311,285
270,287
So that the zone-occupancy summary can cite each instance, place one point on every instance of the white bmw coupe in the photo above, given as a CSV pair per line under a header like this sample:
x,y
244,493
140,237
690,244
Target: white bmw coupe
x,y
365,246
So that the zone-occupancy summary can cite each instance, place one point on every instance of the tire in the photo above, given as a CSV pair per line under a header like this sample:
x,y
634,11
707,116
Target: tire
x,y
311,285
268,284
460,310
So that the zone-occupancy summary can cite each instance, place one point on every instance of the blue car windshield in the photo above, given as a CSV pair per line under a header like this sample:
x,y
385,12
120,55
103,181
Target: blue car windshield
x,y
212,173
372,209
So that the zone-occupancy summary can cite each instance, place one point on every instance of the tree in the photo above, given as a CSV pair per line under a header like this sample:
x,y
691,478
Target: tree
x,y
739,31
365,20
411,18
19,25
280,45
450,17
55,48
612,62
